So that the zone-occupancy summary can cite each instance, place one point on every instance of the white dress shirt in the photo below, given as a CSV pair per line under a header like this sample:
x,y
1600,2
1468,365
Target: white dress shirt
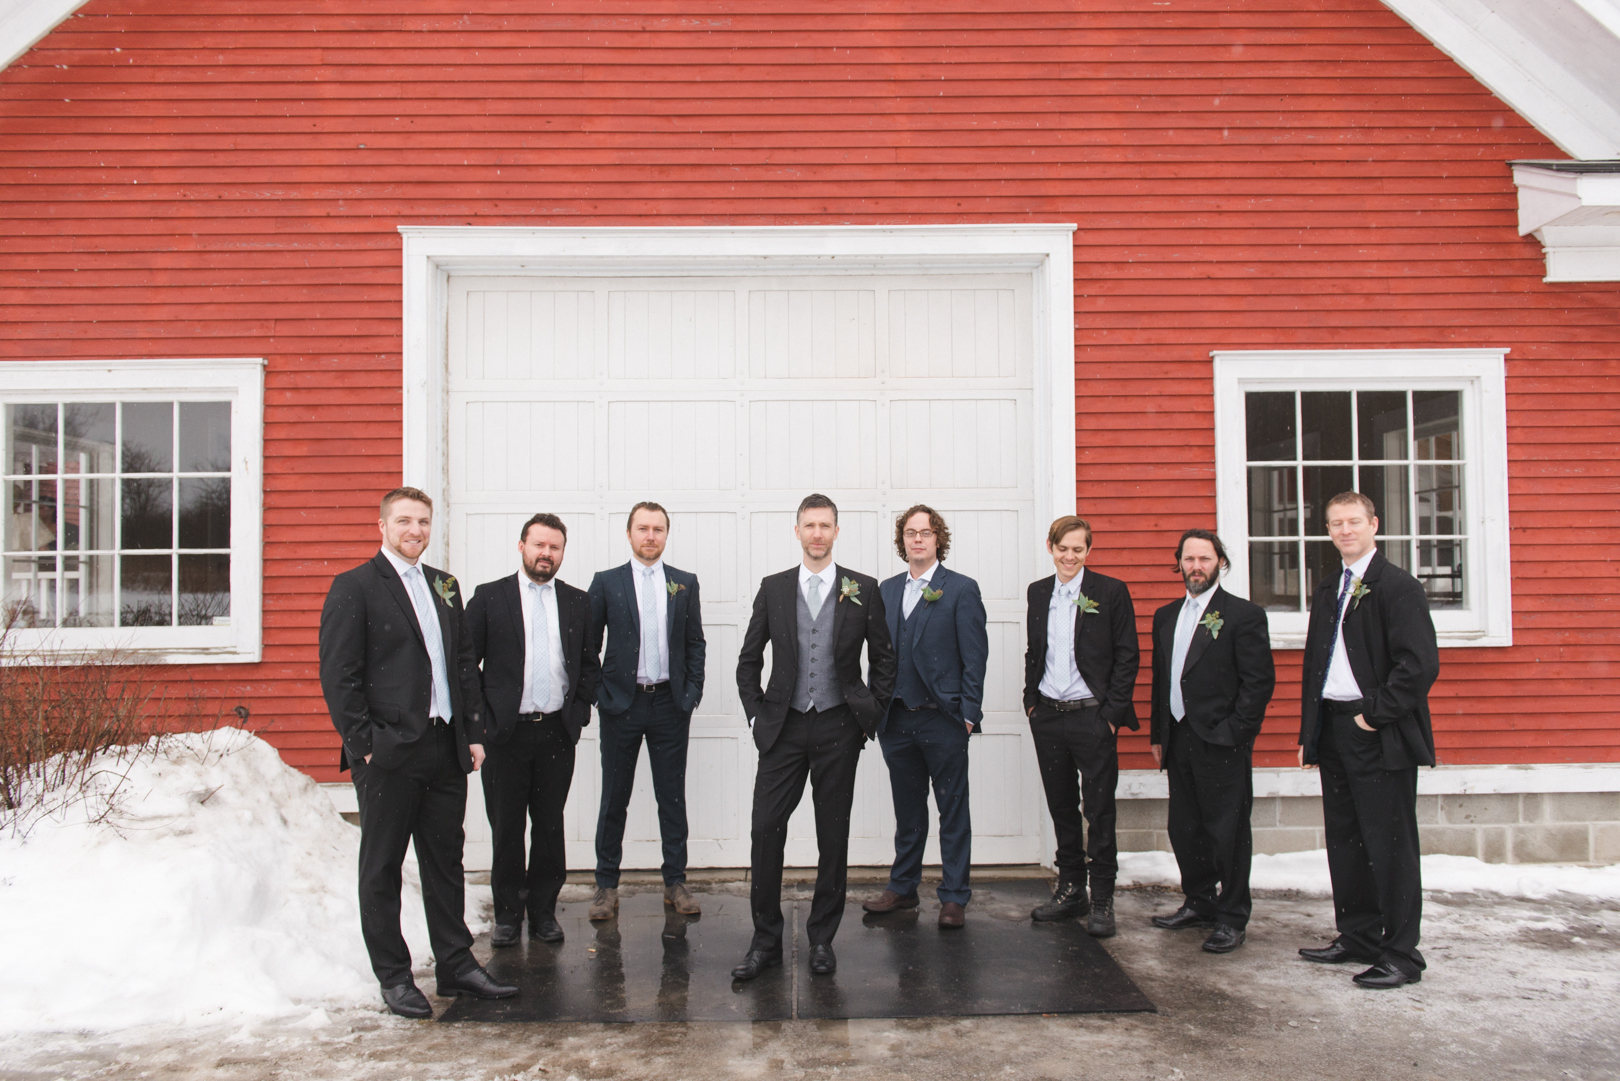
x,y
1062,681
828,576
427,620
533,593
914,587
1187,620
652,669
1341,683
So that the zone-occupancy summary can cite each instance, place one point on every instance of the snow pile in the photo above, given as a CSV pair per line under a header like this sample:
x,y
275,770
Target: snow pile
x,y
222,885
1307,872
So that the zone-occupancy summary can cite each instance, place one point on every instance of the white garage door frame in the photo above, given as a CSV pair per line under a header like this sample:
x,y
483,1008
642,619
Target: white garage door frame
x,y
433,254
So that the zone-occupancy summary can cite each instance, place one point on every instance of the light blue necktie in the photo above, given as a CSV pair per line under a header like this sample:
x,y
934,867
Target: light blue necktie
x,y
427,618
539,652
1185,628
914,590
814,602
652,646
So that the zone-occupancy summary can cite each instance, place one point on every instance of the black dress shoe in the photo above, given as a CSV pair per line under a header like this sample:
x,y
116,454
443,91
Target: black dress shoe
x,y
1182,917
822,961
1224,939
478,983
755,963
1385,975
546,929
406,1000
1335,954
506,934
1068,899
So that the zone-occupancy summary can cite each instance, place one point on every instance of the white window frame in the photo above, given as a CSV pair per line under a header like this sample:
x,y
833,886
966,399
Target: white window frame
x,y
1480,374
241,382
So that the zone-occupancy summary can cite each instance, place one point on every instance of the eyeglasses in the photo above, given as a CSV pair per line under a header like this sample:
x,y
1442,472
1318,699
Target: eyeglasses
x,y
918,534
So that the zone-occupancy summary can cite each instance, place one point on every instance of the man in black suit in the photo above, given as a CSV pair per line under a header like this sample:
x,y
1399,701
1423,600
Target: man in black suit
x,y
1370,658
813,720
530,634
1212,680
1079,678
652,679
938,626
399,678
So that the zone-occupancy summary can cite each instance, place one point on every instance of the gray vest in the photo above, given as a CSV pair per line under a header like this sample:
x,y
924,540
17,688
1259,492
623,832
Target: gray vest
x,y
818,680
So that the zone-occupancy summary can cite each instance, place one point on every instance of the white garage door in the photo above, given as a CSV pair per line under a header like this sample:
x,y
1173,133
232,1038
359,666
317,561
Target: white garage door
x,y
727,400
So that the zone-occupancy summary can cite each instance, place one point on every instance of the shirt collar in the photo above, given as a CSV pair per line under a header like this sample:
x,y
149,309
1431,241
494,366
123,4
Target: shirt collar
x,y
925,576
530,583
1202,600
638,567
400,566
1071,588
1358,569
826,576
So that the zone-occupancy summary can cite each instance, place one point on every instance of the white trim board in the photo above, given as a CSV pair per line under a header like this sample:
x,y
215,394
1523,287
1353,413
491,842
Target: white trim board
x,y
1575,215
24,22
433,253
1439,781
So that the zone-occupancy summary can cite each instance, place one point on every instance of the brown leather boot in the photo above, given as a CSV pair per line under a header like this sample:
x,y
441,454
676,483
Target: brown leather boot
x,y
605,905
681,900
952,915
888,901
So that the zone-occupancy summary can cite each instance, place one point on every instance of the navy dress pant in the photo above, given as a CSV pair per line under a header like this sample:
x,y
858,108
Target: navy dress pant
x,y
923,746
652,717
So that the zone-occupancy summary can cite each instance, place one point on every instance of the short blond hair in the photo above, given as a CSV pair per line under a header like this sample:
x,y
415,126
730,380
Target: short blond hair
x,y
403,493
1065,525
1345,498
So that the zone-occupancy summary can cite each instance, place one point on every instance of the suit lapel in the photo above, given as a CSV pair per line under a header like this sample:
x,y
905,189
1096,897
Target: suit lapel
x,y
833,598
1041,609
627,582
513,589
440,609
1201,637
919,615
402,597
893,603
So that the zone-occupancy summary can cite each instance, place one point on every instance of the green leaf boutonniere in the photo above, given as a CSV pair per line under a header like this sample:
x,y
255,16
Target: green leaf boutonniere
x,y
445,588
1357,591
673,587
931,595
851,589
1084,603
1214,622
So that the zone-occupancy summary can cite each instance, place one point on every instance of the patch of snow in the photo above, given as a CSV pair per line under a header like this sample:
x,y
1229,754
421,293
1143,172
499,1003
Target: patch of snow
x,y
1307,872
222,886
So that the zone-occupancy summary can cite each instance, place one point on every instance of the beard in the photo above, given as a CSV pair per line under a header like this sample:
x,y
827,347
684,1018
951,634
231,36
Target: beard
x,y
540,572
1198,585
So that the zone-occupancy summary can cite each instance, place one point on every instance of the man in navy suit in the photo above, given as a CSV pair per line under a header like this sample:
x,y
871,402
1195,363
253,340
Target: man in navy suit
x,y
937,624
652,679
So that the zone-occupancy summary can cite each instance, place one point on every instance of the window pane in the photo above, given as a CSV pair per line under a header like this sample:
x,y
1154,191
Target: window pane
x,y
87,591
205,513
145,599
87,437
205,590
148,507
1322,483
1386,486
205,437
1274,575
87,514
1324,421
1440,569
1273,501
1398,552
31,521
1271,426
1439,499
1437,424
29,592
1381,424
31,439
148,437
1322,560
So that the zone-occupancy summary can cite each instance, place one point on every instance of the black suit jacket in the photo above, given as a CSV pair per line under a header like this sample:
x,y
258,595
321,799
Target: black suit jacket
x,y
375,672
500,642
614,610
775,620
1227,681
1105,646
1394,655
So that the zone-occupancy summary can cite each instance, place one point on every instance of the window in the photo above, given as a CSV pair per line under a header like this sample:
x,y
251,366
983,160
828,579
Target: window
x,y
132,513
1420,432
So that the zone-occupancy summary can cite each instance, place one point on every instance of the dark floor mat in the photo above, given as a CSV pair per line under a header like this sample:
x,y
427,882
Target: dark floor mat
x,y
653,965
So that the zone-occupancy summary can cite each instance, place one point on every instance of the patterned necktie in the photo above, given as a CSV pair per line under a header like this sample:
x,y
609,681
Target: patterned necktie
x,y
1333,637
539,651
651,640
815,596
914,590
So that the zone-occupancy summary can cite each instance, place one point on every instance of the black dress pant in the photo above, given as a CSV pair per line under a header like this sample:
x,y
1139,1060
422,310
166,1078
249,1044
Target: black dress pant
x,y
424,800
1079,761
1370,815
653,717
825,746
1211,800
526,779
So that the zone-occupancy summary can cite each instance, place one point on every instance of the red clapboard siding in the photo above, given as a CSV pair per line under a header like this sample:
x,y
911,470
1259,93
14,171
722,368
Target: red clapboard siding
x,y
225,178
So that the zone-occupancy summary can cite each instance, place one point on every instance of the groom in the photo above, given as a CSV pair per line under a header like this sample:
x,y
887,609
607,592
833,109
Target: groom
x,y
812,721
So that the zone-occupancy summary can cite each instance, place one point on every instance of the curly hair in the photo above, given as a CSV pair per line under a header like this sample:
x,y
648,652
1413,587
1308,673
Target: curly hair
x,y
936,522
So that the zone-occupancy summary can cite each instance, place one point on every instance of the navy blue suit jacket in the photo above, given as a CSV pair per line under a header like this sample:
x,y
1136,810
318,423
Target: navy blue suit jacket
x,y
615,611
948,640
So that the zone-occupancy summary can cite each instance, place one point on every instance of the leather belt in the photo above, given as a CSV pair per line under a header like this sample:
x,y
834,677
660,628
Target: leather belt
x,y
916,709
1066,707
652,688
539,716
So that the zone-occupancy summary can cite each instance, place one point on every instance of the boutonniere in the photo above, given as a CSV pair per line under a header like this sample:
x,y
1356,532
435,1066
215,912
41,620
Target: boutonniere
x,y
1357,591
673,587
851,589
931,595
1084,603
445,588
1214,622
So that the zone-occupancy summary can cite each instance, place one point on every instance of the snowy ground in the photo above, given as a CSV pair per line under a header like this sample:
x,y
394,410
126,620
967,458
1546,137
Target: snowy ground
x,y
209,929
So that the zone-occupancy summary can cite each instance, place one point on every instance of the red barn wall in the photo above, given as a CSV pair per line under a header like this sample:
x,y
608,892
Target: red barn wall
x,y
184,178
